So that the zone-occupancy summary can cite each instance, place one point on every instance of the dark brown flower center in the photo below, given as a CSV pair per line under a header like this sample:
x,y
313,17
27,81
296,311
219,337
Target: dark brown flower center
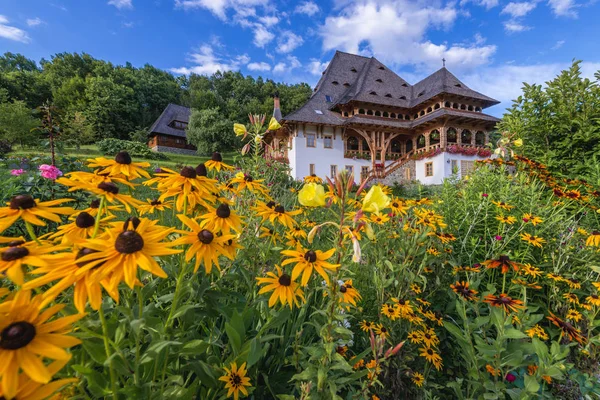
x,y
188,172
84,220
109,187
14,253
206,236
84,252
279,209
123,157
285,280
223,211
17,335
201,170
343,289
217,157
155,203
383,330
595,233
95,203
504,300
271,204
504,259
430,352
236,380
129,242
310,256
248,178
22,202
15,243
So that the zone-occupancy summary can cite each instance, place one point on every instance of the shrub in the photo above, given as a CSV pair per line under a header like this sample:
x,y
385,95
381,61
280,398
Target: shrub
x,y
113,146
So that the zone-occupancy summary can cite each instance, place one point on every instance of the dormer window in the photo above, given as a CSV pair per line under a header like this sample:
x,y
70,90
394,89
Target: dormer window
x,y
328,99
373,93
420,94
378,80
353,70
335,83
346,84
178,125
388,95
405,85
458,85
402,97
381,67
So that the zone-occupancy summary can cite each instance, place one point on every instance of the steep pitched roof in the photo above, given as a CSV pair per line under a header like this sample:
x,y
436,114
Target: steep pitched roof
x,y
172,112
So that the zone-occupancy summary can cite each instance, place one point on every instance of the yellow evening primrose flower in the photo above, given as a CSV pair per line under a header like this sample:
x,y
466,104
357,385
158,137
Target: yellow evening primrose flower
x,y
273,124
239,129
375,200
312,195
518,142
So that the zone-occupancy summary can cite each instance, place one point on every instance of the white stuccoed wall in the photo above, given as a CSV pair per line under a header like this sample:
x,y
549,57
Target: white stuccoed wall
x,y
442,167
300,157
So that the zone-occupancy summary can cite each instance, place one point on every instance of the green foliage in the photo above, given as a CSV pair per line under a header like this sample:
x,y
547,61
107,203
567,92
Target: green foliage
x,y
209,131
559,123
76,131
113,146
17,122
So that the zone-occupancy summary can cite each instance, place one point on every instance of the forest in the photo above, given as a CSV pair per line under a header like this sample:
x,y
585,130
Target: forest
x,y
96,99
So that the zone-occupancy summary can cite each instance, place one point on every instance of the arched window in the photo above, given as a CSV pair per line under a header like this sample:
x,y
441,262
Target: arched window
x,y
345,113
407,117
437,105
396,146
361,111
478,109
455,105
385,114
480,138
369,112
447,104
409,145
393,115
378,113
415,116
465,136
421,142
365,145
451,135
352,143
463,107
470,108
422,113
434,137
429,109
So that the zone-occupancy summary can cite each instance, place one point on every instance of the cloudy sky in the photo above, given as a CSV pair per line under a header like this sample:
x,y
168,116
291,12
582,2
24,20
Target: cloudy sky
x,y
492,45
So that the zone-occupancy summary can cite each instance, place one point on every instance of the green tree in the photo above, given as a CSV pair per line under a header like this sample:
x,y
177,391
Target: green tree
x,y
16,122
76,130
209,131
559,123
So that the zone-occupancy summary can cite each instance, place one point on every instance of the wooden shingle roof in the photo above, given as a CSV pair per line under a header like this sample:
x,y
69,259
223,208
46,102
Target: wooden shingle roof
x,y
172,112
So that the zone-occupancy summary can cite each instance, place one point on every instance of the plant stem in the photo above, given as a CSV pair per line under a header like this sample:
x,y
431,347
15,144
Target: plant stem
x,y
107,350
98,217
31,232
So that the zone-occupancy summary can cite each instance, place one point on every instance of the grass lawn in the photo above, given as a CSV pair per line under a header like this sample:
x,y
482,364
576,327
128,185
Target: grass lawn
x,y
91,151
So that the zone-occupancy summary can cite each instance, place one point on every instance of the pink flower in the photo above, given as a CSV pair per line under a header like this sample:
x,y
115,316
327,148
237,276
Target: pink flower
x,y
510,377
49,171
17,172
485,195
498,237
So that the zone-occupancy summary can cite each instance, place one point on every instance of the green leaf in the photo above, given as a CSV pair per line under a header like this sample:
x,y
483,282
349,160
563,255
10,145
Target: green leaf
x,y
255,352
514,334
95,349
234,338
195,347
531,384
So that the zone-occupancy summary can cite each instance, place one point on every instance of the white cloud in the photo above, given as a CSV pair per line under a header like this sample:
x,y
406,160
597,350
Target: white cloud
x,y
290,64
316,67
220,7
516,10
269,20
128,24
262,36
259,66
308,7
563,8
558,45
11,32
207,62
288,41
395,32
34,21
513,26
121,4
484,3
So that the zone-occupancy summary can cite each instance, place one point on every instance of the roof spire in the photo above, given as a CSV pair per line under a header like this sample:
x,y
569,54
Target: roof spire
x,y
444,62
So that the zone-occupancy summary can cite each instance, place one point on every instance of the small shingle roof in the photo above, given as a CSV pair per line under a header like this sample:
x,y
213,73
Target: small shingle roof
x,y
350,77
172,112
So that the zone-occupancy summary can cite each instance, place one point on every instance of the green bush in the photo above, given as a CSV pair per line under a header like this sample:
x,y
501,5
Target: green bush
x,y
136,149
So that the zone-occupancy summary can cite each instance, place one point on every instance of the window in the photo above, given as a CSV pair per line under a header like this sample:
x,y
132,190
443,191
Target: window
x,y
310,140
350,169
429,169
465,136
381,67
405,85
352,143
179,141
420,94
311,169
328,99
466,167
346,84
451,135
454,166
364,171
458,85
373,93
178,125
388,95
378,80
319,112
480,138
402,97
162,139
328,141
335,82
333,171
353,70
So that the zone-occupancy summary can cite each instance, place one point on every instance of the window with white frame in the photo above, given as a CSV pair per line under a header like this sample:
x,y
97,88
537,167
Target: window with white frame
x,y
333,171
328,141
311,140
311,169
350,169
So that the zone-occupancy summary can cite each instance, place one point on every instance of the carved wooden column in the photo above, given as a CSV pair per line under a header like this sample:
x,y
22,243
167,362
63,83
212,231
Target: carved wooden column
x,y
443,137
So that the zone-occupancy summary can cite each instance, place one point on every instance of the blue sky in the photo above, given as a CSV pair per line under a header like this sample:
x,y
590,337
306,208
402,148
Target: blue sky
x,y
492,45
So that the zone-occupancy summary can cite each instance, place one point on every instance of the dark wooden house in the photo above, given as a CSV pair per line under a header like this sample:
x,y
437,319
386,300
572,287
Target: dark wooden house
x,y
167,134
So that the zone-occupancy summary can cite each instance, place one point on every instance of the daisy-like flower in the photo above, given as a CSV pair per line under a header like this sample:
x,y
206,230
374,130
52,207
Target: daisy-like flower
x,y
19,253
313,179
123,248
555,277
348,294
236,380
206,245
574,315
503,301
298,232
508,219
366,325
221,219
152,206
403,306
537,331
94,208
374,369
433,251
530,218
108,190
31,210
244,181
462,289
415,337
430,355
186,186
28,389
216,162
279,214
269,233
529,270
567,329
381,331
445,238
398,207
523,282
121,167
429,338
79,230
592,240
390,311
418,379
306,260
415,288
593,299
504,262
573,283
26,338
503,205
379,219
571,298
533,240
283,287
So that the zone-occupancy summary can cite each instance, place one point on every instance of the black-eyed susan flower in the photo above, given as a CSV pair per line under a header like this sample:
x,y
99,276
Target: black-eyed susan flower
x,y
381,331
236,380
415,337
231,247
571,298
306,260
28,389
221,219
593,239
247,182
283,287
279,214
379,219
152,206
523,282
348,293
390,311
533,240
574,315
79,230
503,205
107,190
503,301
19,253
269,233
506,219
398,207
31,210
186,186
418,379
537,331
313,179
297,232
121,167
532,219
529,270
462,289
567,329
593,299
216,163
205,245
504,262
125,247
403,305
555,277
28,334
429,337
366,325
432,356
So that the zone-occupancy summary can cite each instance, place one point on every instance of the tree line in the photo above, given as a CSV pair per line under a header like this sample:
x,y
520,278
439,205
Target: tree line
x,y
96,99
